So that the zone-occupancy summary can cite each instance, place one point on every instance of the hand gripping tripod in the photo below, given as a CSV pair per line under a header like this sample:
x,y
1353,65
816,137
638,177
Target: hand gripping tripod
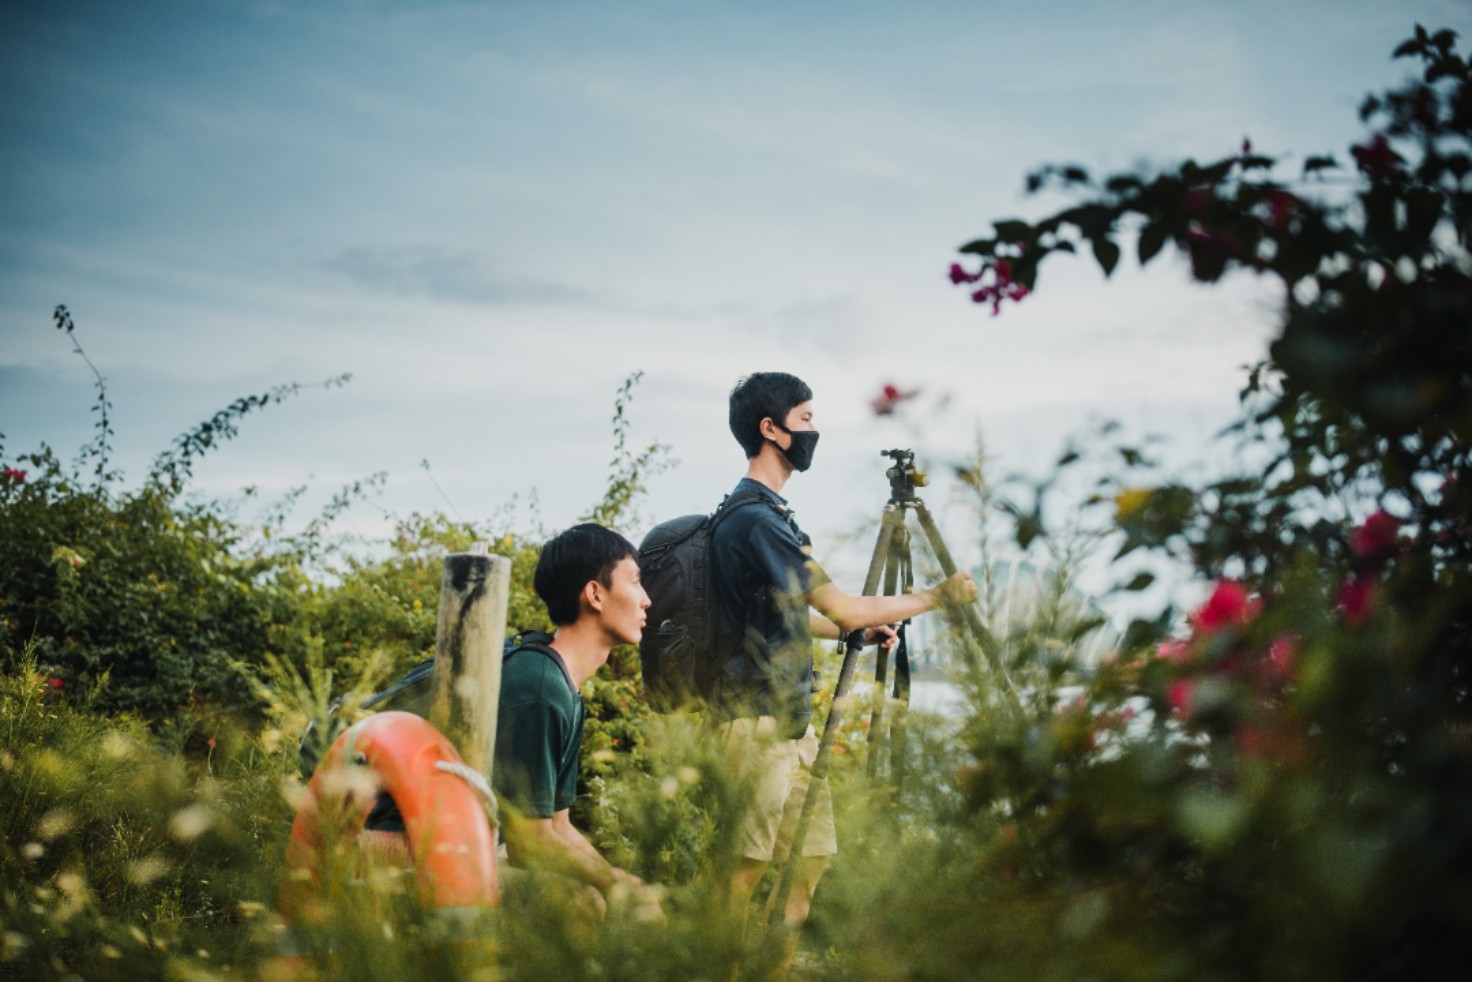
x,y
891,562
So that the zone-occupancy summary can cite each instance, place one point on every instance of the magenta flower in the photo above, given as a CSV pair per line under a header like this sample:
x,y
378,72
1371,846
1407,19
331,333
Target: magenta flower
x,y
959,275
1377,158
1376,536
14,475
1282,206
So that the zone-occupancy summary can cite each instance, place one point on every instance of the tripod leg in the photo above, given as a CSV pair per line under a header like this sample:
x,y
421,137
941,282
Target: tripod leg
x,y
894,518
819,772
898,729
973,620
899,556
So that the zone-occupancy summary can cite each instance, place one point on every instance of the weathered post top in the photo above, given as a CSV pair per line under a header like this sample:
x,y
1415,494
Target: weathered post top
x,y
468,643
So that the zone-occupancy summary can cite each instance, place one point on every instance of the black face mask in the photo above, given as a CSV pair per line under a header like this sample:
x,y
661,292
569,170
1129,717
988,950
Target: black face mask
x,y
800,454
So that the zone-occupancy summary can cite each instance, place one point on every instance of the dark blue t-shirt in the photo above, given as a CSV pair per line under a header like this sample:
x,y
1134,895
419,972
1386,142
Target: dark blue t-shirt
x,y
764,571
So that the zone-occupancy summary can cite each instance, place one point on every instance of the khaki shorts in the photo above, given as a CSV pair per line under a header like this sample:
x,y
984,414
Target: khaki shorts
x,y
778,770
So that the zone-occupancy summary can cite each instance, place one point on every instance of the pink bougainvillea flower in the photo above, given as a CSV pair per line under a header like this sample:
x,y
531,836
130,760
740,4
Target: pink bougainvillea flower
x,y
1377,158
1357,598
1002,286
1283,657
1252,741
959,275
1272,741
889,399
1376,536
14,475
1177,652
1180,694
1282,206
1228,606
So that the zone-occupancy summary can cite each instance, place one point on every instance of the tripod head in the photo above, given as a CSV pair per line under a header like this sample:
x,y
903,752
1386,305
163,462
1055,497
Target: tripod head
x,y
903,477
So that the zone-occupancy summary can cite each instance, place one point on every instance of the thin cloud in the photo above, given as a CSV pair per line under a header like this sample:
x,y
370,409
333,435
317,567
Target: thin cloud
x,y
461,275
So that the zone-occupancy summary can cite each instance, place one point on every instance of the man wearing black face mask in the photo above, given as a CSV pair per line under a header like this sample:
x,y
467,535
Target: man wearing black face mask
x,y
772,599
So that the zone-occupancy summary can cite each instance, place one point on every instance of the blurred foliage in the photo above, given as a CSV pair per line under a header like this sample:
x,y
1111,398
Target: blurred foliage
x,y
1282,787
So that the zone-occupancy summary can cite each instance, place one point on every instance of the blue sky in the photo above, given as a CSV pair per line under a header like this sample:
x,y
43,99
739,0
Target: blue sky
x,y
492,213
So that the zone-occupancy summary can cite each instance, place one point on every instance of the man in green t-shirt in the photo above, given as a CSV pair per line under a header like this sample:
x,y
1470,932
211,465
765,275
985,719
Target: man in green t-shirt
x,y
589,579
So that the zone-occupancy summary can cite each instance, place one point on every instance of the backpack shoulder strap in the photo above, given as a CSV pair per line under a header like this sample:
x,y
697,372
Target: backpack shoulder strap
x,y
540,642
733,502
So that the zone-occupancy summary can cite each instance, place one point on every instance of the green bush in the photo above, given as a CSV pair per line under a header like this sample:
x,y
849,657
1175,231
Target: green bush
x,y
134,594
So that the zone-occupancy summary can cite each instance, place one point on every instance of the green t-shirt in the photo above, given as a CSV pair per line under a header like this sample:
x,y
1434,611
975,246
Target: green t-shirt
x,y
539,733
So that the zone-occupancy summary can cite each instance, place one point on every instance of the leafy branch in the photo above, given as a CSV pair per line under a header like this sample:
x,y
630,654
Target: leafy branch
x,y
628,471
99,446
173,468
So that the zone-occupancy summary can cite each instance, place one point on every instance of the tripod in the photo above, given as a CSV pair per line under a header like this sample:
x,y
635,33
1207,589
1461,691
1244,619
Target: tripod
x,y
891,562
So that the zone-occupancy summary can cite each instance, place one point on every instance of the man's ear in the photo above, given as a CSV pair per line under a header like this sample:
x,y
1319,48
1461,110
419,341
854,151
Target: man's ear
x,y
593,595
767,428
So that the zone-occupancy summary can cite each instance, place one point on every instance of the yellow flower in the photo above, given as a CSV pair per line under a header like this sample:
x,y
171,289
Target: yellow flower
x,y
1131,500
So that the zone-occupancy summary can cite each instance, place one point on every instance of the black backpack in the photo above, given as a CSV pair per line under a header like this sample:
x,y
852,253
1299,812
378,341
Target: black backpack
x,y
677,655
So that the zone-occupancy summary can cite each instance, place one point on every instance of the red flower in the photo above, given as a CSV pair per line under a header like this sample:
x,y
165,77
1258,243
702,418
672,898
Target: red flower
x,y
889,398
1357,598
1180,694
211,742
1376,537
1228,606
14,475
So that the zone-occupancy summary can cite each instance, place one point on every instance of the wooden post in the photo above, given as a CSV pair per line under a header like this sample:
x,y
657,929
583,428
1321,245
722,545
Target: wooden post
x,y
468,642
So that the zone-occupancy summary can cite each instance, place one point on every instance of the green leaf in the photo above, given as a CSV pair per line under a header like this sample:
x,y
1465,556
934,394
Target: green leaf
x,y
1012,230
1314,164
1140,581
980,247
1152,238
1120,183
1107,254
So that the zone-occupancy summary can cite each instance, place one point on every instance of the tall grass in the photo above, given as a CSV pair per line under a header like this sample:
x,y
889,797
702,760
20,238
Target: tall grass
x,y
127,858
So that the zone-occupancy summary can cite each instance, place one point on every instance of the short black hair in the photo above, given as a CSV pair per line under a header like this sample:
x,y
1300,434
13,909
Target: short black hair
x,y
760,396
570,560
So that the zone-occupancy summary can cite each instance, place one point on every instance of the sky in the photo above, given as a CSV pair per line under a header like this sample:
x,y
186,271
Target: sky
x,y
493,213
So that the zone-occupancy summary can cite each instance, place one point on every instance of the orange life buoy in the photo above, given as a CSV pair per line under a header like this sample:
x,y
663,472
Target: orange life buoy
x,y
450,843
